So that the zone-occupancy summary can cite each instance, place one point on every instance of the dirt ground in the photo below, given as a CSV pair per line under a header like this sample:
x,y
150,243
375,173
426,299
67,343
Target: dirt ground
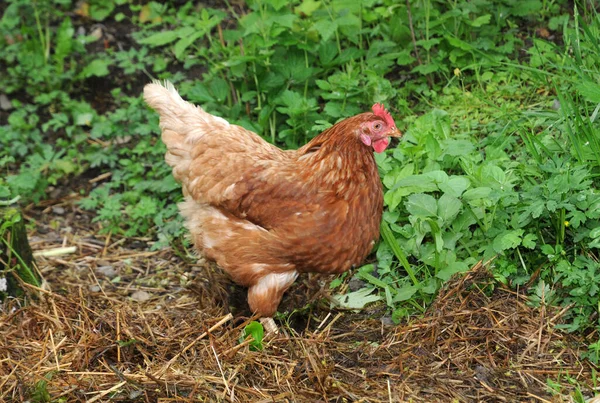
x,y
117,321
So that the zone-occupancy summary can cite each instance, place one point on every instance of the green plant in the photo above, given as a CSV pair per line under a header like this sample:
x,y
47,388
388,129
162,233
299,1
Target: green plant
x,y
255,331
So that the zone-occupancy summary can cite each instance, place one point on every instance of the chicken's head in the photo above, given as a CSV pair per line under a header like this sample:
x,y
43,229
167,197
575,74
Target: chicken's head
x,y
378,128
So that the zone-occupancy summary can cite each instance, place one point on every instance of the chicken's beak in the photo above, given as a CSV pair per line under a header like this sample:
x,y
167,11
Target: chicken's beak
x,y
394,132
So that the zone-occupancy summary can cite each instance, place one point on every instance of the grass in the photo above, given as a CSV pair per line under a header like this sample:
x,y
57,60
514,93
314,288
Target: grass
x,y
499,103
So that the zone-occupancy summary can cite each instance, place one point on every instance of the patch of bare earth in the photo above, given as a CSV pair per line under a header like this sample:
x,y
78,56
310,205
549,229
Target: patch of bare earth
x,y
120,322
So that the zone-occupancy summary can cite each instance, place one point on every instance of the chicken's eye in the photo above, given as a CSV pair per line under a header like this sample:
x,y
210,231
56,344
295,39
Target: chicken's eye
x,y
377,126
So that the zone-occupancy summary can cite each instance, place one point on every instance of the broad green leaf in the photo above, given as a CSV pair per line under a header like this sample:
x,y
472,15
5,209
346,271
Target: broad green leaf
x,y
422,205
4,192
184,43
405,293
457,43
437,176
455,185
451,269
101,10
595,233
448,207
477,193
255,330
393,177
83,119
357,299
160,38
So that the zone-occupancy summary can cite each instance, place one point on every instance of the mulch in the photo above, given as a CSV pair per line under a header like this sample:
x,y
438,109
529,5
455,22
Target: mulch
x,y
117,321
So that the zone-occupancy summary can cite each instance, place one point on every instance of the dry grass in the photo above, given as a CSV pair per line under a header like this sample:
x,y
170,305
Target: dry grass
x,y
93,339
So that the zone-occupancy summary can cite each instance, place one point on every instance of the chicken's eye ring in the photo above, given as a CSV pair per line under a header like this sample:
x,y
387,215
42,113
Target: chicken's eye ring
x,y
377,126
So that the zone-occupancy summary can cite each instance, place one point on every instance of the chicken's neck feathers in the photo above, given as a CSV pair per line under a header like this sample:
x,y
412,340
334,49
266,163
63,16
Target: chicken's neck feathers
x,y
337,160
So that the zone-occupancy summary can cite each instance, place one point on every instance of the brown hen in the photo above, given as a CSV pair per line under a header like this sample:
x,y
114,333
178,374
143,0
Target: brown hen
x,y
264,214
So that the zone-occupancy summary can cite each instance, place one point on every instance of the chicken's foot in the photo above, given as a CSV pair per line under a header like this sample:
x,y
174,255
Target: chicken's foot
x,y
269,326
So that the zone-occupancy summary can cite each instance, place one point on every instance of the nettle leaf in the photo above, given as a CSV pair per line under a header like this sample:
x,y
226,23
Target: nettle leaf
x,y
219,88
507,240
448,207
286,20
199,93
308,7
97,67
589,90
277,4
422,205
481,20
326,29
327,53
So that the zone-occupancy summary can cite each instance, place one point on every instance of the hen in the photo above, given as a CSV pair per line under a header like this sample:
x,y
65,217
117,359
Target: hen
x,y
264,214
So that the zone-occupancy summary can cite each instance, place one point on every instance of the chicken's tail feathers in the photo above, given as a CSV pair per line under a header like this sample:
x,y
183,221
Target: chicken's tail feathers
x,y
177,114
183,125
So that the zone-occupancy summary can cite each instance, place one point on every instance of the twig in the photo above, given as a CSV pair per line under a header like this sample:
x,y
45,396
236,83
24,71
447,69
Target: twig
x,y
106,392
100,177
67,250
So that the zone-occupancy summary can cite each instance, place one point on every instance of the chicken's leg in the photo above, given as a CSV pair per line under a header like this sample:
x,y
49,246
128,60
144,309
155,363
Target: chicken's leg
x,y
265,295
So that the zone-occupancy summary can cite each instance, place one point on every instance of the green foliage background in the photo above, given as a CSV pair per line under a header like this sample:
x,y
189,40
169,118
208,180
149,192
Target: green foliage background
x,y
499,102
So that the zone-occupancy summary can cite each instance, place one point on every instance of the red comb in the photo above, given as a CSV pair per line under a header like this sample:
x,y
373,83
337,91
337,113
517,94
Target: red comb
x,y
379,110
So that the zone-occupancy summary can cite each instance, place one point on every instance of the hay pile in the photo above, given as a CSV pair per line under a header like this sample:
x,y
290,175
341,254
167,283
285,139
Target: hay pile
x,y
126,324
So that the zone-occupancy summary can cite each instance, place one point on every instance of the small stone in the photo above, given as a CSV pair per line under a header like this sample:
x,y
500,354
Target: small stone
x,y
58,210
108,271
556,105
387,321
96,32
141,296
356,284
5,103
94,288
